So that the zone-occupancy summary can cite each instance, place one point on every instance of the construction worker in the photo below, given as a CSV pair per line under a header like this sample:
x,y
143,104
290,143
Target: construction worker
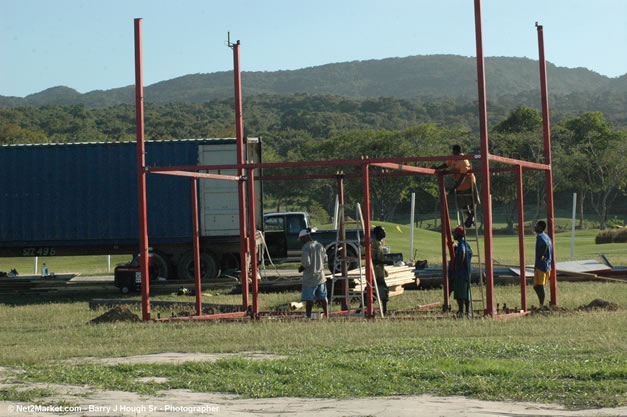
x,y
378,261
465,187
542,266
462,271
313,259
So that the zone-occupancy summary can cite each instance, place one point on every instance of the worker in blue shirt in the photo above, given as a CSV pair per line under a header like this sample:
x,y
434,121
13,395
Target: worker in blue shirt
x,y
542,266
462,270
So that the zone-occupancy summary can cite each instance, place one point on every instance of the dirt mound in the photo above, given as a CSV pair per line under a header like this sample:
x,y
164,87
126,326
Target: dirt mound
x,y
598,304
119,313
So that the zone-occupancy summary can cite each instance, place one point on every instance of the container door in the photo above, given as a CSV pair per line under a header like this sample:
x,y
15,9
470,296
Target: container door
x,y
218,198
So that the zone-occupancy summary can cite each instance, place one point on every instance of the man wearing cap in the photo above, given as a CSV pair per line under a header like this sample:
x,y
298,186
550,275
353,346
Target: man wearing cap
x,y
461,271
312,267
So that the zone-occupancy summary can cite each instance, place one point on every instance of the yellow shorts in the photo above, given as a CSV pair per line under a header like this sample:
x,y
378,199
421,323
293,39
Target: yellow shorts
x,y
540,277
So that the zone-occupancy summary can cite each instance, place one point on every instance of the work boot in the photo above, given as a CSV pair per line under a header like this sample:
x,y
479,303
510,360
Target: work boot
x,y
470,221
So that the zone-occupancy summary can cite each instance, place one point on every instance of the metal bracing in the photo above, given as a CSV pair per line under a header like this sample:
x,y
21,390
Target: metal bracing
x,y
248,241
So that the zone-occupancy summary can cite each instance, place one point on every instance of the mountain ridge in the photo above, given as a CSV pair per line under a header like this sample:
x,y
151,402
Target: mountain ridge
x,y
433,76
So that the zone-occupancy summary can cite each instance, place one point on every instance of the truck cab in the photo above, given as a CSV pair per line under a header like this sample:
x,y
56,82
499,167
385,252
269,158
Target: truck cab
x,y
281,234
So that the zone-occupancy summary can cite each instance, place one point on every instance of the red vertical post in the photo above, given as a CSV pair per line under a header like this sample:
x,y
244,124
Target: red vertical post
x,y
241,187
444,226
521,239
141,171
485,164
365,184
253,241
196,245
548,175
340,193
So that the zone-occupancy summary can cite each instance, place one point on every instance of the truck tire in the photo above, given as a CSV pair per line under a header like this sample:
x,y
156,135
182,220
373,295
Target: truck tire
x,y
338,268
208,266
159,267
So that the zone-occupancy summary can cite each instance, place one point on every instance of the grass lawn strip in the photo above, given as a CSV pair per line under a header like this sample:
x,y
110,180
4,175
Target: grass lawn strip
x,y
482,369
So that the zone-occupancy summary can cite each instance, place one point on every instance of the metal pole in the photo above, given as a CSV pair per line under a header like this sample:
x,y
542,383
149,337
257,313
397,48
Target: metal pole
x,y
336,212
572,231
141,172
485,164
196,245
35,265
241,187
253,241
444,228
108,263
411,226
341,212
367,244
546,130
521,239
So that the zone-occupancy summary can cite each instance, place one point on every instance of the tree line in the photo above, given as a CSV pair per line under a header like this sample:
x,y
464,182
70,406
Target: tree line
x,y
588,149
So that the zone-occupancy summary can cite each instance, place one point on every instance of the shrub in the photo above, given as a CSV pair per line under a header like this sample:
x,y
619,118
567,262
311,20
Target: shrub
x,y
612,236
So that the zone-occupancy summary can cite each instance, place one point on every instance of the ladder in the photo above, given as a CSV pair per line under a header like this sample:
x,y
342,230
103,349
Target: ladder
x,y
339,266
343,276
473,241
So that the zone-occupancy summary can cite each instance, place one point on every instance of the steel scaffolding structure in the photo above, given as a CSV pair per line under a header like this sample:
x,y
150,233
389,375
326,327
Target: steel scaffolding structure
x,y
246,175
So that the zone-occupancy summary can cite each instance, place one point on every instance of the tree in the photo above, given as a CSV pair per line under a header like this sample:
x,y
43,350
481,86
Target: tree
x,y
12,134
519,136
599,155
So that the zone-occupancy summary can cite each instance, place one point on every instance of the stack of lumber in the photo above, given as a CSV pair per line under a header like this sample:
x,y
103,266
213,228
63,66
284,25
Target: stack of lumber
x,y
398,276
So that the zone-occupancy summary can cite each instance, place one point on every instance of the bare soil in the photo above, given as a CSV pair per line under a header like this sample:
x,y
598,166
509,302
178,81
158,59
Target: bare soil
x,y
598,304
117,314
183,403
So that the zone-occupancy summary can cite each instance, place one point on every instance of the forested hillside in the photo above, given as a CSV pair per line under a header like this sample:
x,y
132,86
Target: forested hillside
x,y
425,78
392,107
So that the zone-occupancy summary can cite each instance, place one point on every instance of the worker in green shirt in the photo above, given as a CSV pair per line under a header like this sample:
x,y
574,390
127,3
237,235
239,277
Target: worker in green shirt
x,y
378,260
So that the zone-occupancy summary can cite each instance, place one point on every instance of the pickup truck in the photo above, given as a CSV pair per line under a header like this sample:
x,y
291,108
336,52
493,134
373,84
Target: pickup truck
x,y
281,236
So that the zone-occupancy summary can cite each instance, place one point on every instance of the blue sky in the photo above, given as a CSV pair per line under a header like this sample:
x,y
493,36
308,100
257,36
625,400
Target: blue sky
x,y
88,44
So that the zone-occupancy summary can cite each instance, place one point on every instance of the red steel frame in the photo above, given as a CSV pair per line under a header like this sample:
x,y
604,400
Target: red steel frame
x,y
141,170
246,188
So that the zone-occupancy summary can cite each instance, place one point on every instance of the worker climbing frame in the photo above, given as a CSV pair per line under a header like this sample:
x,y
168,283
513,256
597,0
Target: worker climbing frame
x,y
472,237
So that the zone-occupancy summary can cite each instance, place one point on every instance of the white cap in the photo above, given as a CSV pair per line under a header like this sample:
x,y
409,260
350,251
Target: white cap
x,y
303,232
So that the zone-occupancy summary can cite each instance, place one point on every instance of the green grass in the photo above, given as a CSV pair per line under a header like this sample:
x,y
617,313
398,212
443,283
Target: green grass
x,y
85,265
427,245
577,359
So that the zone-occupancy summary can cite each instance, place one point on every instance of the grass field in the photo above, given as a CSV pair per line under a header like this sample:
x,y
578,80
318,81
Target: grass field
x,y
574,358
578,359
427,245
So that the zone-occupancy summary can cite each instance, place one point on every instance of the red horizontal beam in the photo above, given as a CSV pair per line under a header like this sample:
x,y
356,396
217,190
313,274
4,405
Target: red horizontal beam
x,y
526,164
237,314
406,168
330,176
198,175
391,163
335,162
510,315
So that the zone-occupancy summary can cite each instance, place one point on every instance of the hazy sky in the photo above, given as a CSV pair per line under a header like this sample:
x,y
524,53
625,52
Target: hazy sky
x,y
88,44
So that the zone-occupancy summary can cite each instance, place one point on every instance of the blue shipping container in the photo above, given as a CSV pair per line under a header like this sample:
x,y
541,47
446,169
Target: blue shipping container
x,y
86,193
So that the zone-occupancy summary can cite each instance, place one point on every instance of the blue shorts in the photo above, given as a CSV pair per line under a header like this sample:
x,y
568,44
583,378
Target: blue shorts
x,y
319,292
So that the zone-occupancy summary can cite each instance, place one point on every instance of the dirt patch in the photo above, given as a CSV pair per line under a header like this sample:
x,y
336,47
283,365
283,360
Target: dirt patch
x,y
178,358
599,304
549,310
152,380
117,314
183,403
